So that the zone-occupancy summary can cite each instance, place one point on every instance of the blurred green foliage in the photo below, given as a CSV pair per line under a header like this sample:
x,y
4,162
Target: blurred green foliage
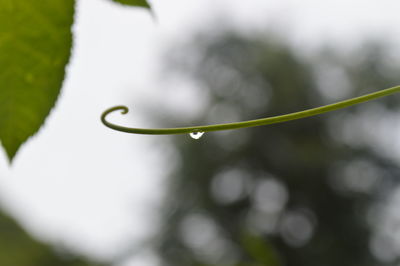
x,y
17,248
304,190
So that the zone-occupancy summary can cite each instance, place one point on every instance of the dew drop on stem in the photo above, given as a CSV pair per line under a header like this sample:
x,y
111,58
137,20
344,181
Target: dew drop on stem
x,y
196,135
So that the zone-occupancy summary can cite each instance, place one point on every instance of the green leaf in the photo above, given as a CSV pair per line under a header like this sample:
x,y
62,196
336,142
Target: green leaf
x,y
141,3
35,44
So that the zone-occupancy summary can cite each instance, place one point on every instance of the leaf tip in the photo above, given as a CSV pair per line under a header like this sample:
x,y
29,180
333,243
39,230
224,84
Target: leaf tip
x,y
10,153
136,3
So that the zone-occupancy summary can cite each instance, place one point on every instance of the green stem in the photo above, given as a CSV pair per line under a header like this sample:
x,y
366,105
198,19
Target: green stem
x,y
243,124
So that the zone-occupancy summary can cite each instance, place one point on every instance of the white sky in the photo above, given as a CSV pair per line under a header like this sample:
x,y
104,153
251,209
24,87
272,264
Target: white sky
x,y
82,185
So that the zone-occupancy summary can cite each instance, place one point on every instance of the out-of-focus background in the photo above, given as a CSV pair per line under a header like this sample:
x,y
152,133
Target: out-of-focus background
x,y
319,191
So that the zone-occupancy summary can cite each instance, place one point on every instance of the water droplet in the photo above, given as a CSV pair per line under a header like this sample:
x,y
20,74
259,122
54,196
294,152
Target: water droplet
x,y
196,135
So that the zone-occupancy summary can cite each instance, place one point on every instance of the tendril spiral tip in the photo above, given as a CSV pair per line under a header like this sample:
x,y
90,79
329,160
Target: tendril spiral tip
x,y
124,109
245,124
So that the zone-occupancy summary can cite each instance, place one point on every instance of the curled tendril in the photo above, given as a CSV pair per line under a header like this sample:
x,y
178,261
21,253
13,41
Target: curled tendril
x,y
244,124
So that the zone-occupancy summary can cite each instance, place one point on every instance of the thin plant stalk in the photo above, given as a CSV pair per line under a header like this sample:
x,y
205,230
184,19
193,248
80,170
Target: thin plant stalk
x,y
245,124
